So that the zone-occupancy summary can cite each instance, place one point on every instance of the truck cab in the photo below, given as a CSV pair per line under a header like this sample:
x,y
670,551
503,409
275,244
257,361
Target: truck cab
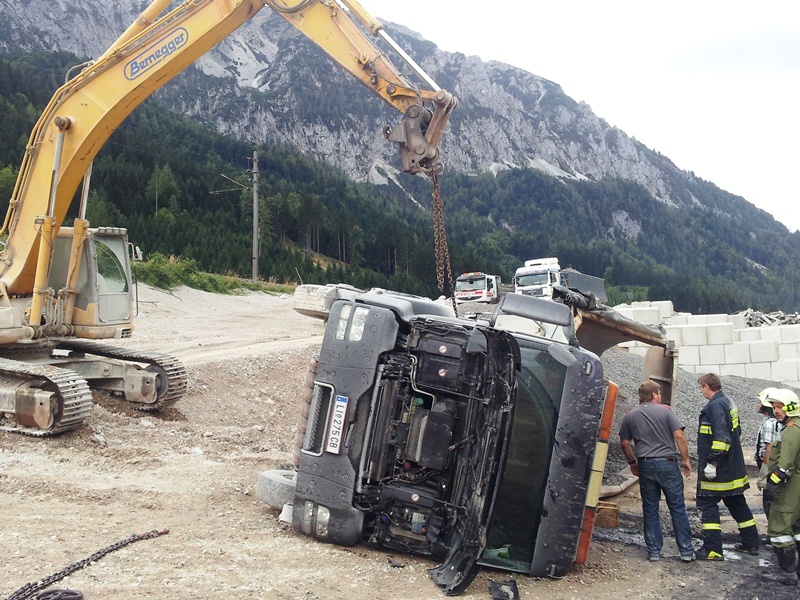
x,y
538,277
447,437
477,287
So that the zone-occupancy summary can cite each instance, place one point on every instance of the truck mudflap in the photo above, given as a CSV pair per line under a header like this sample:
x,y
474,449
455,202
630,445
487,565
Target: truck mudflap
x,y
596,480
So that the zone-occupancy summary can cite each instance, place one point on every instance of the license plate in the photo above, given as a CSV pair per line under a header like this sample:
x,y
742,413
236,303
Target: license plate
x,y
336,428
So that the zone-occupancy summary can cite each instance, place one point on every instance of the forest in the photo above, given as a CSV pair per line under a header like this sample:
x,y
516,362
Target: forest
x,y
167,179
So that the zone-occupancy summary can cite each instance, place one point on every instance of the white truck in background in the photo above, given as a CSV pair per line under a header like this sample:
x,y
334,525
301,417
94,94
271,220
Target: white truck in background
x,y
477,287
538,277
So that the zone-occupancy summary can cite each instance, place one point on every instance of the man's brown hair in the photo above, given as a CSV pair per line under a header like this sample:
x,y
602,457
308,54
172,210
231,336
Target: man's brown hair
x,y
711,380
647,390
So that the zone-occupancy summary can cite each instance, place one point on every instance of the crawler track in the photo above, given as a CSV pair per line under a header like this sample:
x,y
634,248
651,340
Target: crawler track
x,y
74,395
172,373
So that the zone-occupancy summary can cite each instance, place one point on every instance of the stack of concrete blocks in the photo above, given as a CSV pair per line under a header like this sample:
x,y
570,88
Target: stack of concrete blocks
x,y
722,344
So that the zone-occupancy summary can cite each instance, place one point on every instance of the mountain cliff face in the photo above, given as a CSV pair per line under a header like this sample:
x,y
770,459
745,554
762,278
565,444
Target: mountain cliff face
x,y
266,82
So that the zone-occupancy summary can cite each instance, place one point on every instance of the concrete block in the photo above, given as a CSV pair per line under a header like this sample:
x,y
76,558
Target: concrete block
x,y
788,351
665,308
715,319
738,321
674,334
706,319
785,370
647,316
770,333
696,319
694,335
758,370
641,304
719,333
764,351
738,352
710,355
639,350
677,320
736,369
689,356
748,334
790,334
708,369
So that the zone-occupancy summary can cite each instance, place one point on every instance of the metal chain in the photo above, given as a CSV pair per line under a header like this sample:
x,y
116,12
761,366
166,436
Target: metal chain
x,y
29,589
440,241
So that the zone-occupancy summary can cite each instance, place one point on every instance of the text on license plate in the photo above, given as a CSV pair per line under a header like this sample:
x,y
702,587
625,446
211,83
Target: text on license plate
x,y
336,428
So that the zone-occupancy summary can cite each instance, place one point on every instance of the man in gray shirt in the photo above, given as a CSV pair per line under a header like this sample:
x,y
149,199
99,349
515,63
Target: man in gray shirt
x,y
661,453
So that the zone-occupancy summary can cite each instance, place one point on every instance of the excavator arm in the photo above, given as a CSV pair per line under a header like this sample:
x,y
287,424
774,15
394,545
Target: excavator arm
x,y
88,108
58,284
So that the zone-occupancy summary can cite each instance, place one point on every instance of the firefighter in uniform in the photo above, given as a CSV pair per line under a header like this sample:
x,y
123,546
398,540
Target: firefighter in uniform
x,y
721,472
783,487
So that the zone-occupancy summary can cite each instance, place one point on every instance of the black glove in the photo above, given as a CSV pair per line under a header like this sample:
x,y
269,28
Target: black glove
x,y
769,490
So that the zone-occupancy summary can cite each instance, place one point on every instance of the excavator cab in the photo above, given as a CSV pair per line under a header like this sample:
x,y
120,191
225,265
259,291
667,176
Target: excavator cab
x,y
103,298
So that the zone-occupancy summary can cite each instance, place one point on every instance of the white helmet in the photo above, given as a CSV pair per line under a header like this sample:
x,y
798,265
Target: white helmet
x,y
789,400
765,394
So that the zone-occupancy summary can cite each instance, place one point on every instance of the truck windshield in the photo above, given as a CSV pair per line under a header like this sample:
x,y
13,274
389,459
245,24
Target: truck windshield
x,y
535,279
512,538
466,285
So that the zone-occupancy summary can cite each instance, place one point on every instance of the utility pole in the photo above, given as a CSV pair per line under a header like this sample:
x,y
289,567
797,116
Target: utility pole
x,y
256,228
255,214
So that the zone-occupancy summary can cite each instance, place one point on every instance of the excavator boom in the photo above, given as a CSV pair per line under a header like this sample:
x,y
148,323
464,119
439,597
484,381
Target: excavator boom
x,y
86,110
60,283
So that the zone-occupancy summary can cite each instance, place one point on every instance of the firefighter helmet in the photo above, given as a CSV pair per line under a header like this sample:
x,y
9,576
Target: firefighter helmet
x,y
765,394
789,400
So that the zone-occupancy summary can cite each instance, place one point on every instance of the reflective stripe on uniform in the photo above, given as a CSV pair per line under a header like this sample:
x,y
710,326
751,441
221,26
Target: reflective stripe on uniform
x,y
797,538
724,486
718,445
712,526
781,539
734,418
746,524
705,429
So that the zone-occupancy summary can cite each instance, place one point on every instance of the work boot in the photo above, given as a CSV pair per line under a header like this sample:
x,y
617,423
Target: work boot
x,y
781,577
752,551
704,553
787,562
798,561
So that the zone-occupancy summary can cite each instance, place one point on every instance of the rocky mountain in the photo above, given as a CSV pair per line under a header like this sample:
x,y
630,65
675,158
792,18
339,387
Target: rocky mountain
x,y
266,82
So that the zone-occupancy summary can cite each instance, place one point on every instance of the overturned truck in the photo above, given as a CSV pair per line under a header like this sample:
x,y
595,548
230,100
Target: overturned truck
x,y
474,442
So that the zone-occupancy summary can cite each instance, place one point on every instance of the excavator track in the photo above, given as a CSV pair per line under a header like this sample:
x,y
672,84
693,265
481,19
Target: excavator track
x,y
172,386
73,393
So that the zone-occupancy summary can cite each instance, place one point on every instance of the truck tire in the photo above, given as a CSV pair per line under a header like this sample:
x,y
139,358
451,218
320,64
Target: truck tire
x,y
276,487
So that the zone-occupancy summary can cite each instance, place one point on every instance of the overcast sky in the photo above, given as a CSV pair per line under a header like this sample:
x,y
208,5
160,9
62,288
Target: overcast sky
x,y
712,85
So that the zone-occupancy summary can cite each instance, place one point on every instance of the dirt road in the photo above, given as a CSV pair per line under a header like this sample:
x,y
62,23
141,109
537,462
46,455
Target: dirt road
x,y
193,470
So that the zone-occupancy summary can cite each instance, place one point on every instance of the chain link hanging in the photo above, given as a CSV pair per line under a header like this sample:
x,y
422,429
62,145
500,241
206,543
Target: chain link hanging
x,y
440,241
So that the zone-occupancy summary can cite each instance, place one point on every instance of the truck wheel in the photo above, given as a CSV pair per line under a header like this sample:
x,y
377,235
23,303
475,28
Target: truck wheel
x,y
276,487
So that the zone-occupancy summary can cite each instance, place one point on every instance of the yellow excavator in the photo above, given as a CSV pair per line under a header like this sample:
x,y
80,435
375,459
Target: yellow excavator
x,y
63,288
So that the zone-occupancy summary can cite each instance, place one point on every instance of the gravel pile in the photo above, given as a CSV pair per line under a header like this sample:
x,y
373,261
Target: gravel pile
x,y
626,370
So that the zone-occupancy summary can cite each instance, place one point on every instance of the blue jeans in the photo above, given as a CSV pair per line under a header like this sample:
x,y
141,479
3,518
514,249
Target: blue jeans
x,y
656,476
